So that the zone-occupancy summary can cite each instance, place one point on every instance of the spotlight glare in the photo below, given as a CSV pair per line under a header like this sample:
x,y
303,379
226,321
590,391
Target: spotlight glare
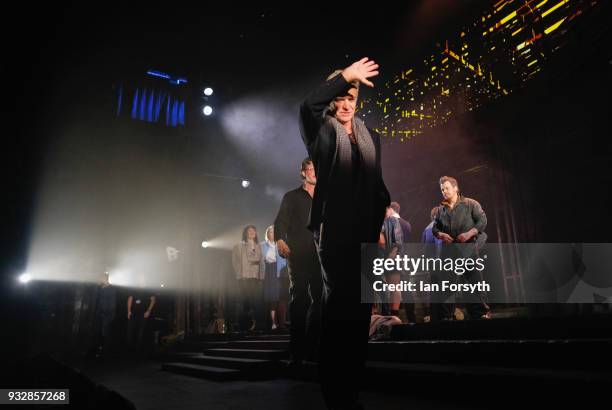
x,y
25,278
162,285
207,110
208,91
246,183
205,244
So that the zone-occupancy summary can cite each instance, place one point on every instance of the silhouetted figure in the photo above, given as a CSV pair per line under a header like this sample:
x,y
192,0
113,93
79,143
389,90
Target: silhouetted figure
x,y
105,309
140,304
296,242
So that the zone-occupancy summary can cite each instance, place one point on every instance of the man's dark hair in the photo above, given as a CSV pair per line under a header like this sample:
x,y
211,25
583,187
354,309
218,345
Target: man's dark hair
x,y
395,206
244,233
452,180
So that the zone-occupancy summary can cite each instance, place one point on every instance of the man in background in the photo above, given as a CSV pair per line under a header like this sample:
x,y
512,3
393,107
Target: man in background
x,y
296,243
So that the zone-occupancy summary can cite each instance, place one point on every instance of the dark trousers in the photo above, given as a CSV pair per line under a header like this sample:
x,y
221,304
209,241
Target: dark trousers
x,y
443,303
476,304
345,320
103,336
305,305
137,330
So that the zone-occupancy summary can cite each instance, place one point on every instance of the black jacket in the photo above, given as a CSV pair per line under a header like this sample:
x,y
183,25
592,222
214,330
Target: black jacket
x,y
320,141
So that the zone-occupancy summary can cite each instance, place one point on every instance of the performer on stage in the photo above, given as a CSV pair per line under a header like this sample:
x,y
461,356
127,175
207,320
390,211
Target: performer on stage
x,y
140,304
296,243
246,260
406,227
392,234
105,308
459,220
348,209
273,265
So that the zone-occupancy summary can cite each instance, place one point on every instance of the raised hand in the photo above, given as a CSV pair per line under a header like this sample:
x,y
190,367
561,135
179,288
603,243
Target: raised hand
x,y
360,71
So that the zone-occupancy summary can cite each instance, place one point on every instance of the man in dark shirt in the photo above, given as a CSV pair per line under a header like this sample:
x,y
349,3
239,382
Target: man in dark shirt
x,y
406,228
106,304
459,223
295,242
348,209
139,307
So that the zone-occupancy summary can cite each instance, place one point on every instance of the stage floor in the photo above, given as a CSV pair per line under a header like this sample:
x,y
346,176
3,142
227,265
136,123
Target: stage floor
x,y
149,388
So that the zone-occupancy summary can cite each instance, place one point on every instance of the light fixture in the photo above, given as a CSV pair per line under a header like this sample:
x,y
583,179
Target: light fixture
x,y
25,278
